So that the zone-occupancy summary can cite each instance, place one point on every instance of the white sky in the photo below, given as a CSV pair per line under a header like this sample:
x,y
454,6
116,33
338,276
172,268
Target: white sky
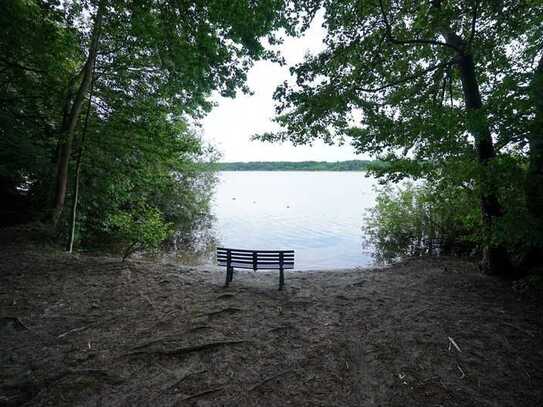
x,y
230,125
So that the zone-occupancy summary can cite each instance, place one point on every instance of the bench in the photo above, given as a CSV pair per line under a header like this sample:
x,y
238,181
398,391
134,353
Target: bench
x,y
256,260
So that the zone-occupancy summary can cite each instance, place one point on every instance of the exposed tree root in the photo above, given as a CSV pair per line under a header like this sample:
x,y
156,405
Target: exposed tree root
x,y
269,379
203,393
179,381
201,328
97,373
225,296
229,310
62,335
185,349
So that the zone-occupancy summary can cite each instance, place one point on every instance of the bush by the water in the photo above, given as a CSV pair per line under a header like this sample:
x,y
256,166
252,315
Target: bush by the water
x,y
442,217
142,227
417,219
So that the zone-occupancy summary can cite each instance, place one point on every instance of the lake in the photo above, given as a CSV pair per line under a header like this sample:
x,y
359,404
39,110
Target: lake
x,y
318,214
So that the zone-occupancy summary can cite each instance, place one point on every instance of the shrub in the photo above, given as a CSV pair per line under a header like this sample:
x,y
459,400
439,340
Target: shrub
x,y
141,228
421,219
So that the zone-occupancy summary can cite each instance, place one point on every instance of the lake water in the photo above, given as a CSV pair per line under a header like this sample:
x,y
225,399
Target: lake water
x,y
318,214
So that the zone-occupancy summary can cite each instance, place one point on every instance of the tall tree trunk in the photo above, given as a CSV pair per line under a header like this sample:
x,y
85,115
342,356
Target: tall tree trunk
x,y
72,118
495,257
75,200
534,184
73,221
534,178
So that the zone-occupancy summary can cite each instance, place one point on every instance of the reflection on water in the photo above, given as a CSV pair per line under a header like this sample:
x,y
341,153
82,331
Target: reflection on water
x,y
318,214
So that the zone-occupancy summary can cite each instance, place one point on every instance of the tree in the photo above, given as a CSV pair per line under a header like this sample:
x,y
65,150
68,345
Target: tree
x,y
152,66
33,79
534,179
77,93
408,81
172,52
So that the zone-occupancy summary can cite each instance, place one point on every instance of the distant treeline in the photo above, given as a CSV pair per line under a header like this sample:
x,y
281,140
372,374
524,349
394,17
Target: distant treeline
x,y
352,165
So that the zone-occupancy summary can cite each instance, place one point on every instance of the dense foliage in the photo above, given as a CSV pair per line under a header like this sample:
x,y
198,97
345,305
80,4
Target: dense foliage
x,y
449,92
97,102
414,220
350,165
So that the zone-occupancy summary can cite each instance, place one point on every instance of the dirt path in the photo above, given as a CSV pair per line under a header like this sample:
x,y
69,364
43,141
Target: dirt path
x,y
83,331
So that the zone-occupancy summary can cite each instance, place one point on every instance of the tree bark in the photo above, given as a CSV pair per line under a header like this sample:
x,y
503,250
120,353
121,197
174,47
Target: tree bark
x,y
534,176
71,120
534,181
495,257
73,221
75,200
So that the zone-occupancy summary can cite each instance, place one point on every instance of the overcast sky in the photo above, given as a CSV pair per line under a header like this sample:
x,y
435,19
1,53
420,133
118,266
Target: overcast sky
x,y
230,125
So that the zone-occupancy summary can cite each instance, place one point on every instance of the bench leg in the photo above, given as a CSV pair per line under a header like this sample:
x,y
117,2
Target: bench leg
x,y
281,279
229,276
231,273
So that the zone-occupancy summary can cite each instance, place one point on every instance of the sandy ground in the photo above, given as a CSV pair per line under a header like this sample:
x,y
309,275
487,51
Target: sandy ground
x,y
92,331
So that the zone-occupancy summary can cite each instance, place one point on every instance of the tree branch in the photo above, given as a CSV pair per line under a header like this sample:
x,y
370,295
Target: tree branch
x,y
501,144
473,22
451,86
407,78
388,30
443,88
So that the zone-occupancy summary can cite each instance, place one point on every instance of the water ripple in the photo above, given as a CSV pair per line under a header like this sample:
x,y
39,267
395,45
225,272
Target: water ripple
x,y
318,214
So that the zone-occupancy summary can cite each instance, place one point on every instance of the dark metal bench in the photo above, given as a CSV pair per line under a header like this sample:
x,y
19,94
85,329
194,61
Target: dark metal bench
x,y
256,260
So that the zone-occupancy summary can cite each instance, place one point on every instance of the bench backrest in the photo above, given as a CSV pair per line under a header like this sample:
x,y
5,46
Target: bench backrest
x,y
255,259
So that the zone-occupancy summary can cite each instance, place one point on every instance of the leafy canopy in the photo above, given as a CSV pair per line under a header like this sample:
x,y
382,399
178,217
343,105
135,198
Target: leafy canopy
x,y
157,64
387,81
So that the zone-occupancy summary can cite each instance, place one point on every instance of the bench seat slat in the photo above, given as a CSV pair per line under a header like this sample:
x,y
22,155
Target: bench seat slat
x,y
222,249
259,258
258,264
269,267
261,264
249,254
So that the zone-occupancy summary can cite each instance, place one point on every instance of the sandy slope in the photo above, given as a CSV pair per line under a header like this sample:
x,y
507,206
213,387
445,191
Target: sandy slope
x,y
88,331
